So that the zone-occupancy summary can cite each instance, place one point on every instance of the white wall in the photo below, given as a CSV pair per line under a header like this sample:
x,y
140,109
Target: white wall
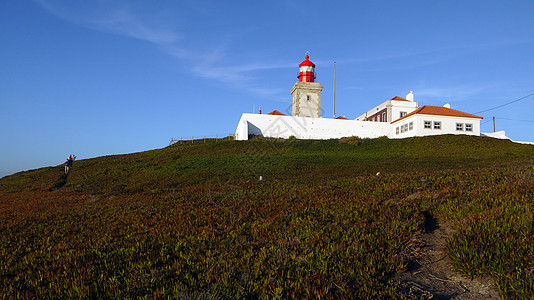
x,y
398,106
322,128
448,126
308,128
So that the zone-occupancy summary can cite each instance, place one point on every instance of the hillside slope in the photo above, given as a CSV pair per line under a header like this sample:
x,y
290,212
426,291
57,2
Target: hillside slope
x,y
328,217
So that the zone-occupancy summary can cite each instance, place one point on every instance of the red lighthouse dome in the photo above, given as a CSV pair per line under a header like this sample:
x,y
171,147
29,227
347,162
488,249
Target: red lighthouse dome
x,y
306,71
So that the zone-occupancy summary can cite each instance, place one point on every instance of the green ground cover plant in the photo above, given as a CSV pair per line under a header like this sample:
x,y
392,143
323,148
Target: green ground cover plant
x,y
329,219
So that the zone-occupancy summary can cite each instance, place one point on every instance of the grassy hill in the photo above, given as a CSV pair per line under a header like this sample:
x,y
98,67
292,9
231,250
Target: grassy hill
x,y
328,218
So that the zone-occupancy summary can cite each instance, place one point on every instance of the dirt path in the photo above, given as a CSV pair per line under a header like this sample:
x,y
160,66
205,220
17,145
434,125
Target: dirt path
x,y
60,183
430,272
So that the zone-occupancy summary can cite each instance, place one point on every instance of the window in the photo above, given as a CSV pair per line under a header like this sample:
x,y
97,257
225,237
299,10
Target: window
x,y
384,117
437,125
468,127
397,130
308,98
428,124
402,114
411,125
460,126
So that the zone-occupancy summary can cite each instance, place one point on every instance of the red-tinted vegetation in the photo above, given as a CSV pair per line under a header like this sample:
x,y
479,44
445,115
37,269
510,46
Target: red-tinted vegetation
x,y
193,220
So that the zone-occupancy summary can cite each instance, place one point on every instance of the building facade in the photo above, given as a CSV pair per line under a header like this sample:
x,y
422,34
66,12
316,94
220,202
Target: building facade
x,y
435,120
390,110
394,118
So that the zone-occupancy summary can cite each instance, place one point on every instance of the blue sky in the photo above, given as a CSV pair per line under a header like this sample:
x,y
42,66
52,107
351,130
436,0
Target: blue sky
x,y
96,78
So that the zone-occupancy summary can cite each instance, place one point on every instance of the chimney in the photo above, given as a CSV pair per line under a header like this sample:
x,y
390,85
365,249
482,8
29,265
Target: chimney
x,y
409,97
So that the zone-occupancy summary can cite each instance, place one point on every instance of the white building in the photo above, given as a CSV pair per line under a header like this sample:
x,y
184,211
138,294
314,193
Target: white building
x,y
434,120
391,110
394,118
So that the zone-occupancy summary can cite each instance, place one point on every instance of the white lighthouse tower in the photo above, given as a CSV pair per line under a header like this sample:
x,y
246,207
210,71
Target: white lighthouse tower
x,y
306,92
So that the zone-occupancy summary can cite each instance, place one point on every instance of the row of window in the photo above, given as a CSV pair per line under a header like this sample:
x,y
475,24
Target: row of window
x,y
377,117
434,125
383,118
461,126
428,125
404,128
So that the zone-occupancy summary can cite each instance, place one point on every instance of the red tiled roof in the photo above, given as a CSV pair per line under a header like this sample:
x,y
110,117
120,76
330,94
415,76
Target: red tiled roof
x,y
341,118
398,98
276,113
439,111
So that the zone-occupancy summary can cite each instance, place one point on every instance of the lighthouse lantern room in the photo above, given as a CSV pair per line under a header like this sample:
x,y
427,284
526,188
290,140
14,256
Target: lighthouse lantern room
x,y
306,71
306,92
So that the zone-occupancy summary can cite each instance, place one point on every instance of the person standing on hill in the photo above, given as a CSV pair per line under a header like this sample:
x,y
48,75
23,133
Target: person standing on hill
x,y
68,163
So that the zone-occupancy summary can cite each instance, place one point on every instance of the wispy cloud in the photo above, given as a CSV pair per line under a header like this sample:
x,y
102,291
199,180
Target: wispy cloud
x,y
434,55
124,20
121,20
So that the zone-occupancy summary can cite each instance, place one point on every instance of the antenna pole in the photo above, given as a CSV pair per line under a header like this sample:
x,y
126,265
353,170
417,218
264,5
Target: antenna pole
x,y
493,124
334,89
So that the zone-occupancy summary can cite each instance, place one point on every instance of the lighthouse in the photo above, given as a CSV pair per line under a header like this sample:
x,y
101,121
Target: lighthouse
x,y
306,92
306,71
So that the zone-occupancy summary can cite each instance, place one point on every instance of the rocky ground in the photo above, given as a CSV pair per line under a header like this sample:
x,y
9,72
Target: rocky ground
x,y
430,272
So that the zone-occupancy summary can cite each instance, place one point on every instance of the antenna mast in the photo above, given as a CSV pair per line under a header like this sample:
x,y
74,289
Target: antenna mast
x,y
334,89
